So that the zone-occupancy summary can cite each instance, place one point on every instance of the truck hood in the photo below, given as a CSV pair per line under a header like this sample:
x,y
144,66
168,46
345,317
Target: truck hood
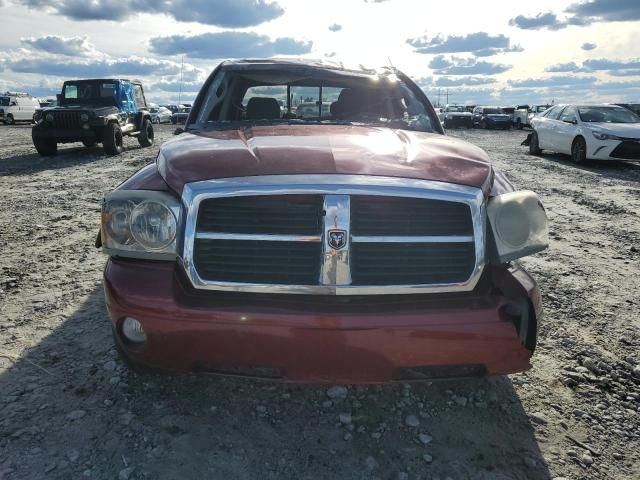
x,y
97,110
321,149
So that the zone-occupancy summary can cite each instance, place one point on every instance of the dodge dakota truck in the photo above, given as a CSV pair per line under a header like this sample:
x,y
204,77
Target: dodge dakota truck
x,y
359,246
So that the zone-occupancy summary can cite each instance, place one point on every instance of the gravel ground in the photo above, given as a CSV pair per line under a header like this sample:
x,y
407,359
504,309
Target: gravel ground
x,y
70,410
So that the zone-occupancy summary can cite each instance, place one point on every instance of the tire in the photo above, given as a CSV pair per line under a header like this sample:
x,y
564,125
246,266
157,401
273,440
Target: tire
x,y
519,124
445,124
89,143
145,137
156,121
534,145
46,147
579,151
112,139
173,120
483,124
9,120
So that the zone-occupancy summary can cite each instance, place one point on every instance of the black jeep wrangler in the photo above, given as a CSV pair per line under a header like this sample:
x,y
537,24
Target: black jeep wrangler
x,y
92,112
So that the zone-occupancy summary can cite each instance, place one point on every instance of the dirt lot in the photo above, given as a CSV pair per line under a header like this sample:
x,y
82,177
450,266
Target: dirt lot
x,y
69,410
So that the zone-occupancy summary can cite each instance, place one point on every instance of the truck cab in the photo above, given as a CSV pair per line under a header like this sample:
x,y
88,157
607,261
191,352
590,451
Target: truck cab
x,y
94,111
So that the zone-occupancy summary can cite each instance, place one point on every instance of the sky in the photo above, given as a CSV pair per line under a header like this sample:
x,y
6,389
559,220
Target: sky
x,y
494,52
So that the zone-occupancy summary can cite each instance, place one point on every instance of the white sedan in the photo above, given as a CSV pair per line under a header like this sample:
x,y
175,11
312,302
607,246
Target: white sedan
x,y
587,132
160,115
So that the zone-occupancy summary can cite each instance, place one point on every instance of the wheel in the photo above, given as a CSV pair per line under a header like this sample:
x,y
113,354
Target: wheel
x,y
445,124
174,120
483,124
89,143
579,150
145,137
46,147
112,139
156,121
534,146
9,120
519,125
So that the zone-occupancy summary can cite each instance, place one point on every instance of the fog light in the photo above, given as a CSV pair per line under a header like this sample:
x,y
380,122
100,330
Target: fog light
x,y
85,126
133,331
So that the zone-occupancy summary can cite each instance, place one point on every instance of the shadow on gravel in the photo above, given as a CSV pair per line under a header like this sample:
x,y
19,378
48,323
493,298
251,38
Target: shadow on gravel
x,y
66,157
69,411
619,170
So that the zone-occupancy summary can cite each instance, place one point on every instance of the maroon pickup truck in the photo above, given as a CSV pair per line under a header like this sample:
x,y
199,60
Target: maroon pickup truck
x,y
361,246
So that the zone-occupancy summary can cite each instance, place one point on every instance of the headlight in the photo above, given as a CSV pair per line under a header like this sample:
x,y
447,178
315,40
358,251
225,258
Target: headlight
x,y
448,117
84,117
519,224
49,117
604,136
140,224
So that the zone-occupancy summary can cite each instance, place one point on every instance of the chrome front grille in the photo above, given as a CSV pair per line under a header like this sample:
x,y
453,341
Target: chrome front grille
x,y
333,235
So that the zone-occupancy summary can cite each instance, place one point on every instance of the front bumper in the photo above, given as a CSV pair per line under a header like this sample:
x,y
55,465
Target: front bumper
x,y
320,339
614,150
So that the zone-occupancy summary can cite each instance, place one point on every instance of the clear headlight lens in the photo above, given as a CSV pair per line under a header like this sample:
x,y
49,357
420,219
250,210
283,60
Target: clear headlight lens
x,y
519,224
84,117
153,225
140,224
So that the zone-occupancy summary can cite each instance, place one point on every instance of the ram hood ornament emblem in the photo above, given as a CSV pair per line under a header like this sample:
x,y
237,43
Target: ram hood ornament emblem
x,y
337,239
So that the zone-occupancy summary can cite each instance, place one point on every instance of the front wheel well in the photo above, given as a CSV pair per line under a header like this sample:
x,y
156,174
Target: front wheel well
x,y
581,137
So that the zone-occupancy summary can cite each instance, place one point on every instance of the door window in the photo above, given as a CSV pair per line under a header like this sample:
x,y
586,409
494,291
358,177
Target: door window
x,y
553,113
139,96
568,115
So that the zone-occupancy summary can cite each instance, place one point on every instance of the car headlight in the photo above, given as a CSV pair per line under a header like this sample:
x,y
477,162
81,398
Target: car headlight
x,y
49,117
519,224
84,117
604,136
140,224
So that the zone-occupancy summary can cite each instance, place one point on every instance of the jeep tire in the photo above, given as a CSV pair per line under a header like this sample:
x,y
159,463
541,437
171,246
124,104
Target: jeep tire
x,y
112,139
46,147
9,120
145,137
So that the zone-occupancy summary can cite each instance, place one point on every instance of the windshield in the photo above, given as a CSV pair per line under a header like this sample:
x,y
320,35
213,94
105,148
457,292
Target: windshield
x,y
238,97
456,108
4,101
154,110
607,115
492,111
101,91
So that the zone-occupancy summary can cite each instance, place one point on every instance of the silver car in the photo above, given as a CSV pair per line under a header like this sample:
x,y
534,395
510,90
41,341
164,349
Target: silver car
x,y
160,115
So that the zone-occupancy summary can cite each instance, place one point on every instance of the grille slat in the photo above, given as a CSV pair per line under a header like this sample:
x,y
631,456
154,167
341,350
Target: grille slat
x,y
398,216
62,119
264,214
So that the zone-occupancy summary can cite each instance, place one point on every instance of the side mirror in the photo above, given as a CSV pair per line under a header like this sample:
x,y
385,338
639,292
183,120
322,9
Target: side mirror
x,y
178,131
572,121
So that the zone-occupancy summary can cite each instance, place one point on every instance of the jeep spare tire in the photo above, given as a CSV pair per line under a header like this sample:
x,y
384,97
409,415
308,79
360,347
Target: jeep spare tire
x,y
145,137
46,147
112,139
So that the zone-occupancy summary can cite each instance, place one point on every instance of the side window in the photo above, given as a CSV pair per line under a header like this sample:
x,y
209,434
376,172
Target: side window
x,y
70,91
568,114
139,96
553,113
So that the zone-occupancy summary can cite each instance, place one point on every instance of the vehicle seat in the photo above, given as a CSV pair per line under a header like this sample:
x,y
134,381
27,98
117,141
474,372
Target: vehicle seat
x,y
262,108
365,101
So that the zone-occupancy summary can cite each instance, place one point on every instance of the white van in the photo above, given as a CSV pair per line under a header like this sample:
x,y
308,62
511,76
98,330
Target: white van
x,y
17,107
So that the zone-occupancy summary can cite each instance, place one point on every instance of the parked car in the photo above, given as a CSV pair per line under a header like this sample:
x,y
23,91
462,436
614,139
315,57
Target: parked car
x,y
17,107
457,116
519,115
491,117
180,115
368,247
171,107
94,111
160,115
536,110
633,106
587,132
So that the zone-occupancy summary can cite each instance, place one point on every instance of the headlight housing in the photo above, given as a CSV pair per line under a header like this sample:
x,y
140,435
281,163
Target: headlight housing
x,y
604,136
84,117
519,225
140,224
